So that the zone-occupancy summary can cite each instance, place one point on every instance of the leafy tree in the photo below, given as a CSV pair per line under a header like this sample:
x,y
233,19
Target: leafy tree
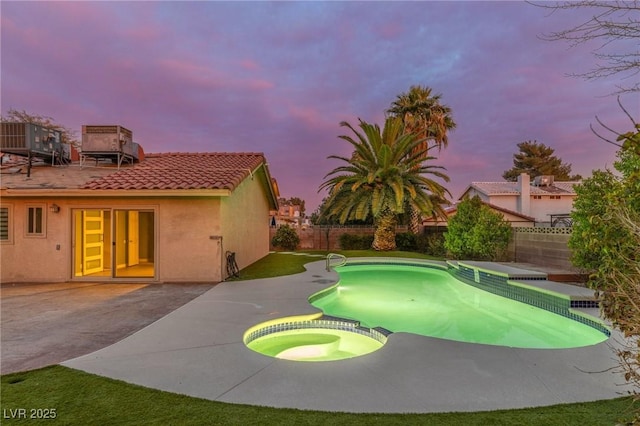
x,y
537,159
68,136
318,217
286,238
423,115
606,242
477,232
611,23
383,173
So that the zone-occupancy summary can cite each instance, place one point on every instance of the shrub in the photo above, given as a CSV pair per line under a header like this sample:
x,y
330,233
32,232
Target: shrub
x,y
431,244
606,241
407,241
286,237
355,242
477,232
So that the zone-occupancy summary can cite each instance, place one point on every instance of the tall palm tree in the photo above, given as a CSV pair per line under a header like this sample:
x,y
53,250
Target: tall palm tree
x,y
384,172
424,115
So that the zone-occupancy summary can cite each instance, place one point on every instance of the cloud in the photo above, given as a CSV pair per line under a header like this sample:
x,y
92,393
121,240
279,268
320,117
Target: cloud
x,y
279,77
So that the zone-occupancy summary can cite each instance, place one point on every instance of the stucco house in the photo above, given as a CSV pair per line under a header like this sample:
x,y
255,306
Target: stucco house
x,y
287,214
171,217
524,203
514,218
547,202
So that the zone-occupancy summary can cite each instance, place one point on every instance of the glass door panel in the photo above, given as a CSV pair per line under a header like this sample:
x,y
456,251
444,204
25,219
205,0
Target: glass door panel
x,y
135,243
92,256
92,241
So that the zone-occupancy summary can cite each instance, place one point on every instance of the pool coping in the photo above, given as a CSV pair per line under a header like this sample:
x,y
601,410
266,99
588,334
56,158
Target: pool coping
x,y
197,350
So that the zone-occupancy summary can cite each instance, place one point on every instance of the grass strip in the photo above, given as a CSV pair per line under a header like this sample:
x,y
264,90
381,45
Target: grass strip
x,y
278,264
79,398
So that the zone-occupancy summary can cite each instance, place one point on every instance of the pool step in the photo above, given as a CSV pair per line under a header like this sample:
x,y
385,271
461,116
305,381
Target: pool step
x,y
512,272
581,296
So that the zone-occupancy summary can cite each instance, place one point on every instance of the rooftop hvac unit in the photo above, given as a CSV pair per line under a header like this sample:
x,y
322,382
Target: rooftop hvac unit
x,y
107,139
29,139
544,180
108,142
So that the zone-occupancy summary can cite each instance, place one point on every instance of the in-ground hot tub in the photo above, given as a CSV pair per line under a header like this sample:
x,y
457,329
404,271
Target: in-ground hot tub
x,y
313,338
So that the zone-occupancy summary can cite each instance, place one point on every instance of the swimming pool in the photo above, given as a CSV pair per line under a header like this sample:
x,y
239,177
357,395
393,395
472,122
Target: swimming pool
x,y
372,300
431,302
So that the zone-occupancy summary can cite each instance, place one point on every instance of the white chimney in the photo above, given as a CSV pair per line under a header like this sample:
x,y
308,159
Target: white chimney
x,y
524,200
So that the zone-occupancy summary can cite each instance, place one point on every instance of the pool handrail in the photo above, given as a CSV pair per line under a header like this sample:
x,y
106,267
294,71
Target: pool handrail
x,y
335,256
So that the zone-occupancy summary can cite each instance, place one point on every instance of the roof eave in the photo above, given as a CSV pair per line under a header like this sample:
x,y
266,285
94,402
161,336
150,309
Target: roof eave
x,y
273,198
120,193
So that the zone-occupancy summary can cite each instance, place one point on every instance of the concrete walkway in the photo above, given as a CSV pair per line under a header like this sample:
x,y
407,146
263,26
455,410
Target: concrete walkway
x,y
197,350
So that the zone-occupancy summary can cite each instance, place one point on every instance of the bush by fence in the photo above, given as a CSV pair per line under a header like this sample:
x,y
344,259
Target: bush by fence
x,y
286,238
407,241
355,242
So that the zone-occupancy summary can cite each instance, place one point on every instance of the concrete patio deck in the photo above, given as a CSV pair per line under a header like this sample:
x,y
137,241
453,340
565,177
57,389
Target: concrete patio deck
x,y
197,350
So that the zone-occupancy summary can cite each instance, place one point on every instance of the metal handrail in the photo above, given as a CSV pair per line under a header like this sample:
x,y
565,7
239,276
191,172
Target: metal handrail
x,y
335,256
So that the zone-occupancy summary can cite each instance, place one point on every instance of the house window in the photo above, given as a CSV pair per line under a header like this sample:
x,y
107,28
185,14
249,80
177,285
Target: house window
x,y
537,197
35,221
554,197
4,225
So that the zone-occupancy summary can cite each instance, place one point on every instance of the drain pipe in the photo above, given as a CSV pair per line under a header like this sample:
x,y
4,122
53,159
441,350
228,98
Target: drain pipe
x,y
218,238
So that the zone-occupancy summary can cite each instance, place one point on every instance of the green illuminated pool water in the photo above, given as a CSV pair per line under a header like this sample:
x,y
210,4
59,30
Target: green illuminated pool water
x,y
430,302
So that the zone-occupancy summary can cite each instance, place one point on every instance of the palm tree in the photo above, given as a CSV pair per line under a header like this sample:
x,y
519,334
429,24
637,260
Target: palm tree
x,y
384,172
423,114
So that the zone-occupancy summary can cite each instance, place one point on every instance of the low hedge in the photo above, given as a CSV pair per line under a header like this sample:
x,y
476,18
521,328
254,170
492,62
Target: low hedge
x,y
355,242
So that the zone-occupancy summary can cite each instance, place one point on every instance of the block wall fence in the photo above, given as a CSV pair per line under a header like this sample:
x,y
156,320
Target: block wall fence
x,y
540,245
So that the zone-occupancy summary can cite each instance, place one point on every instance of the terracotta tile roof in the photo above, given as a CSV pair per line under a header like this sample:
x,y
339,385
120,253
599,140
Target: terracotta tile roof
x,y
450,210
511,212
182,171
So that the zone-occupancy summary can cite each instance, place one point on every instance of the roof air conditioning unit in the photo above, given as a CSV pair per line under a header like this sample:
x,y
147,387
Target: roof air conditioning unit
x,y
30,139
543,180
107,139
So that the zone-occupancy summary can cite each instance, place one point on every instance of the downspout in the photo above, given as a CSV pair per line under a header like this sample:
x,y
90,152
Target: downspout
x,y
218,238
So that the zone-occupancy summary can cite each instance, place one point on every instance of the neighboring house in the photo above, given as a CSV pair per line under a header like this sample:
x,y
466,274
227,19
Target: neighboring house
x,y
287,214
514,218
543,200
168,218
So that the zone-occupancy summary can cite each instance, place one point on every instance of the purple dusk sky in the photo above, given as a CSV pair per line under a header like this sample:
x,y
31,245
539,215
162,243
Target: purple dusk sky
x,y
279,77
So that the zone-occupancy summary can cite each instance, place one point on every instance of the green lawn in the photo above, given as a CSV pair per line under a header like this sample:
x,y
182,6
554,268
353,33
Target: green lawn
x,y
277,264
78,398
